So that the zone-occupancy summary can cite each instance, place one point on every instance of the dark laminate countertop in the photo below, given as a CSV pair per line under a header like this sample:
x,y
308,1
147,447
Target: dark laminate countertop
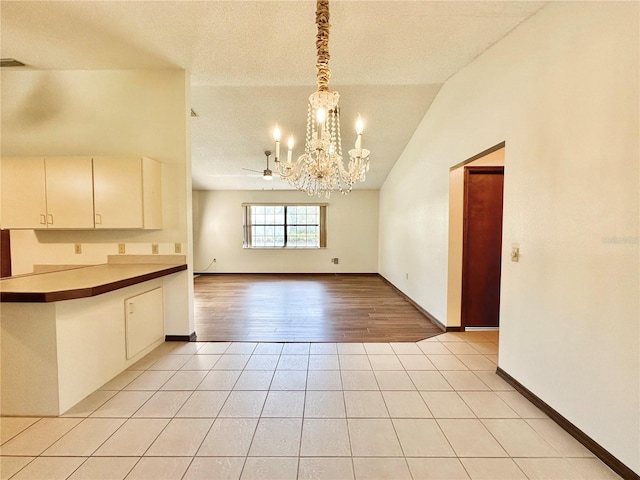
x,y
81,282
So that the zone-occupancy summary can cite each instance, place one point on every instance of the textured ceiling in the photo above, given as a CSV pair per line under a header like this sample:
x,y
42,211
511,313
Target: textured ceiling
x,y
252,64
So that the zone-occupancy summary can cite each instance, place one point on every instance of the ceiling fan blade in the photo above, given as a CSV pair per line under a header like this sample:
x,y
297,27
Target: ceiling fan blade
x,y
263,173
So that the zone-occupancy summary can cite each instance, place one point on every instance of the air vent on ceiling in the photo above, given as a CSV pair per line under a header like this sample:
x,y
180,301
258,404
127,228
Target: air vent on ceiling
x,y
10,62
193,113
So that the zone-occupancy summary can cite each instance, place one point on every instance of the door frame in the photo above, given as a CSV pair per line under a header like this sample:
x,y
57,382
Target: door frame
x,y
494,155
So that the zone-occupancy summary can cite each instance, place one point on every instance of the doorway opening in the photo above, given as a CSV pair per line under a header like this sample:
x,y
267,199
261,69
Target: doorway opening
x,y
475,241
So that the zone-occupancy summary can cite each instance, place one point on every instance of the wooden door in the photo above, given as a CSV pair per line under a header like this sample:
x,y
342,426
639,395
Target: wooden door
x,y
482,246
5,253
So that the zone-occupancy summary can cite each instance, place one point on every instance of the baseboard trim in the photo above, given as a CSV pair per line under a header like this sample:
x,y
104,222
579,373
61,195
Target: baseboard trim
x,y
181,338
430,317
455,329
597,449
337,274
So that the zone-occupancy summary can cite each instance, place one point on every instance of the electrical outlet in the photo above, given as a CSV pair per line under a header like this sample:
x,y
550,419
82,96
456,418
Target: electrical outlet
x,y
121,248
154,248
78,248
334,261
178,248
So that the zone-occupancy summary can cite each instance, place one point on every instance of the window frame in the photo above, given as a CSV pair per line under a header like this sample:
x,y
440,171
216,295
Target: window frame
x,y
247,240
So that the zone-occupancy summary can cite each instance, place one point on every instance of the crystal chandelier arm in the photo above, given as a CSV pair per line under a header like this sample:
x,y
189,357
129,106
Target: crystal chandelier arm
x,y
348,176
282,170
288,170
322,45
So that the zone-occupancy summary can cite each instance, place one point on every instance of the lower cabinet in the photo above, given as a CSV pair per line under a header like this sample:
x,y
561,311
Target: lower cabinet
x,y
144,321
54,354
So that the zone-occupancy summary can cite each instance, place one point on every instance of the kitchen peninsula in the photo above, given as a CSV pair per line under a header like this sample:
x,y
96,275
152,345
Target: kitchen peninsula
x,y
66,333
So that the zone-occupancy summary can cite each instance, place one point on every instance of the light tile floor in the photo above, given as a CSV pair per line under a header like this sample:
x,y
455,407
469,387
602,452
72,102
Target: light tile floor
x,y
434,409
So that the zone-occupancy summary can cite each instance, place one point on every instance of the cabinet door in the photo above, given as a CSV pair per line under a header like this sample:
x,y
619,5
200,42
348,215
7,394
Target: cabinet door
x,y
69,192
117,186
144,321
24,204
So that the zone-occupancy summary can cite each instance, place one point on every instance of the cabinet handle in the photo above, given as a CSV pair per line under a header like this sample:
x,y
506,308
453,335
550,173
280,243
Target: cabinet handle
x,y
130,307
98,219
43,219
49,216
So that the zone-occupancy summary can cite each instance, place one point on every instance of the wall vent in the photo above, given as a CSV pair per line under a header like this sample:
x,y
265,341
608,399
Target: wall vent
x,y
10,62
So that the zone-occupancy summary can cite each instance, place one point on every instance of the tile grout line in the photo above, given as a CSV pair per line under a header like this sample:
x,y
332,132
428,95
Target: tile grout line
x,y
490,390
246,457
23,430
126,419
393,425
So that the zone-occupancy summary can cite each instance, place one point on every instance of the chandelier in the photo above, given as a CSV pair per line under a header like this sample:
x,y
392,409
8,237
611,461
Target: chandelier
x,y
320,169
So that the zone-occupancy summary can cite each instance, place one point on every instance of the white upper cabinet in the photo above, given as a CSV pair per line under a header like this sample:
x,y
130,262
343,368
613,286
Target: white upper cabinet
x,y
127,193
47,193
69,192
81,193
117,190
24,202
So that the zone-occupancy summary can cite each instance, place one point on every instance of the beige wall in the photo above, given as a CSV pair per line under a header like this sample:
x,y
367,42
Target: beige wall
x,y
456,217
352,230
562,91
103,113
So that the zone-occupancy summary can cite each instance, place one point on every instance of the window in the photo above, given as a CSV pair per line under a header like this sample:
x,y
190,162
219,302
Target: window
x,y
285,226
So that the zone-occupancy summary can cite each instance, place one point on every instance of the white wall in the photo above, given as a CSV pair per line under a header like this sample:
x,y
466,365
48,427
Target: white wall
x,y
352,232
103,113
562,91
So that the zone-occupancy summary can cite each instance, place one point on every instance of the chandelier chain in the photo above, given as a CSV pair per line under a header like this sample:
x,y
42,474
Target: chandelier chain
x,y
322,45
320,170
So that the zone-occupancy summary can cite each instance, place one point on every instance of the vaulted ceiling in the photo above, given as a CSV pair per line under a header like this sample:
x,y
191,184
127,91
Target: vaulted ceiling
x,y
252,64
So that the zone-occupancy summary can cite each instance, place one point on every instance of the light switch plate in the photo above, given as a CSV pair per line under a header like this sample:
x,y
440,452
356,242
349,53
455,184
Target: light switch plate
x,y
178,248
154,248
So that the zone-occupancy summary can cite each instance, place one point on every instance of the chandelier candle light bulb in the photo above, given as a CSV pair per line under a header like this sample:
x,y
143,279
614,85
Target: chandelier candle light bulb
x,y
359,133
276,135
320,117
320,169
290,146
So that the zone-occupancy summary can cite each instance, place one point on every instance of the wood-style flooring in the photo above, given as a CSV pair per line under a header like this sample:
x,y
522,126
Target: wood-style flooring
x,y
305,308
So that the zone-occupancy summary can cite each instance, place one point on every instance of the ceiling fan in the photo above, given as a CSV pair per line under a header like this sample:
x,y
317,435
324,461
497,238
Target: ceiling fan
x,y
267,174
